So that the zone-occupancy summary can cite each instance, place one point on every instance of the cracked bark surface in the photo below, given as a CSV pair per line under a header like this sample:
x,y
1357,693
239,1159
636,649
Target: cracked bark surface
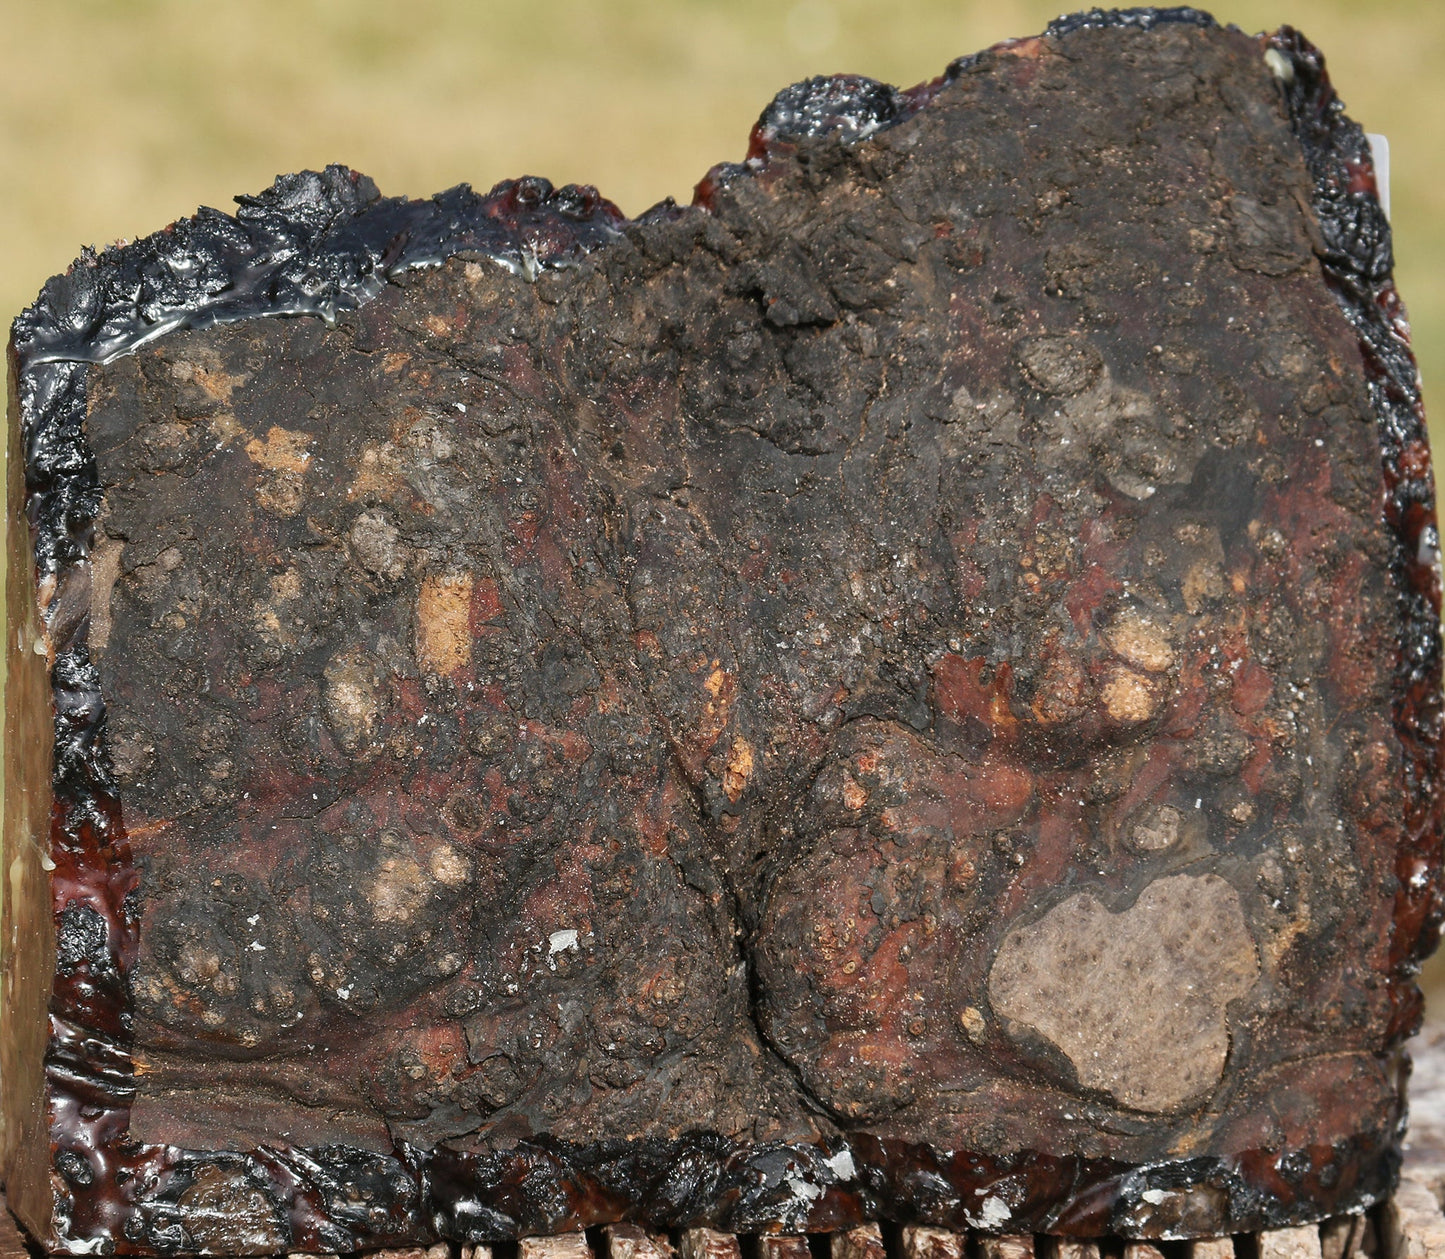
x,y
884,694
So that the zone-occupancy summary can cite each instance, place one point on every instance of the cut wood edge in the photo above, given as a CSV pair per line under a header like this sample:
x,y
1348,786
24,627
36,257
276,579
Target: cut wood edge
x,y
863,1242
1414,1227
707,1243
1290,1243
559,1246
936,1243
783,1246
26,921
1016,1246
628,1241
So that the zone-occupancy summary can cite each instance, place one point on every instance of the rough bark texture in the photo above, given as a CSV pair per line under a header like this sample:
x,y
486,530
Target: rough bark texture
x,y
907,689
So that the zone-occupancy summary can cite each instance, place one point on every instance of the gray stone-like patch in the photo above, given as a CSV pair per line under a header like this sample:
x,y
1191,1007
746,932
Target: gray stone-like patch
x,y
1135,1000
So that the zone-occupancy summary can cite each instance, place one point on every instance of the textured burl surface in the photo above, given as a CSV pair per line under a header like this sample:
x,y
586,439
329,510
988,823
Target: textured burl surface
x,y
911,649
893,669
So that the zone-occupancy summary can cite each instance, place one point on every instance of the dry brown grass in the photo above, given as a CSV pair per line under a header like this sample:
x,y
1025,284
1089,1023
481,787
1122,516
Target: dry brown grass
x,y
117,116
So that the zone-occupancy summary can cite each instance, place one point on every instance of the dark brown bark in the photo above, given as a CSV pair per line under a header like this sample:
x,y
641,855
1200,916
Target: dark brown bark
x,y
905,690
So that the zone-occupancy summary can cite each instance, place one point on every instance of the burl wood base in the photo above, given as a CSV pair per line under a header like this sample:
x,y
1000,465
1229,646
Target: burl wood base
x,y
906,691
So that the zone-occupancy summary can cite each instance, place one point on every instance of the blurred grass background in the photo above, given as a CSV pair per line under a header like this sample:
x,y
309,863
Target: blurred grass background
x,y
118,116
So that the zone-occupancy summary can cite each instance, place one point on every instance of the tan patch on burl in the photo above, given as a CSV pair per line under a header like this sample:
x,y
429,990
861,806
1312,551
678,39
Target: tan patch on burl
x,y
285,585
718,681
284,588
972,1020
282,494
1142,642
398,889
1135,1000
720,687
448,866
1158,831
443,623
739,769
1202,585
377,473
1128,697
284,450
352,705
208,372
1062,692
227,429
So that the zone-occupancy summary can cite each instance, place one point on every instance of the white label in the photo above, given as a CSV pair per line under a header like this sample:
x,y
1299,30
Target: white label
x,y
1380,152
